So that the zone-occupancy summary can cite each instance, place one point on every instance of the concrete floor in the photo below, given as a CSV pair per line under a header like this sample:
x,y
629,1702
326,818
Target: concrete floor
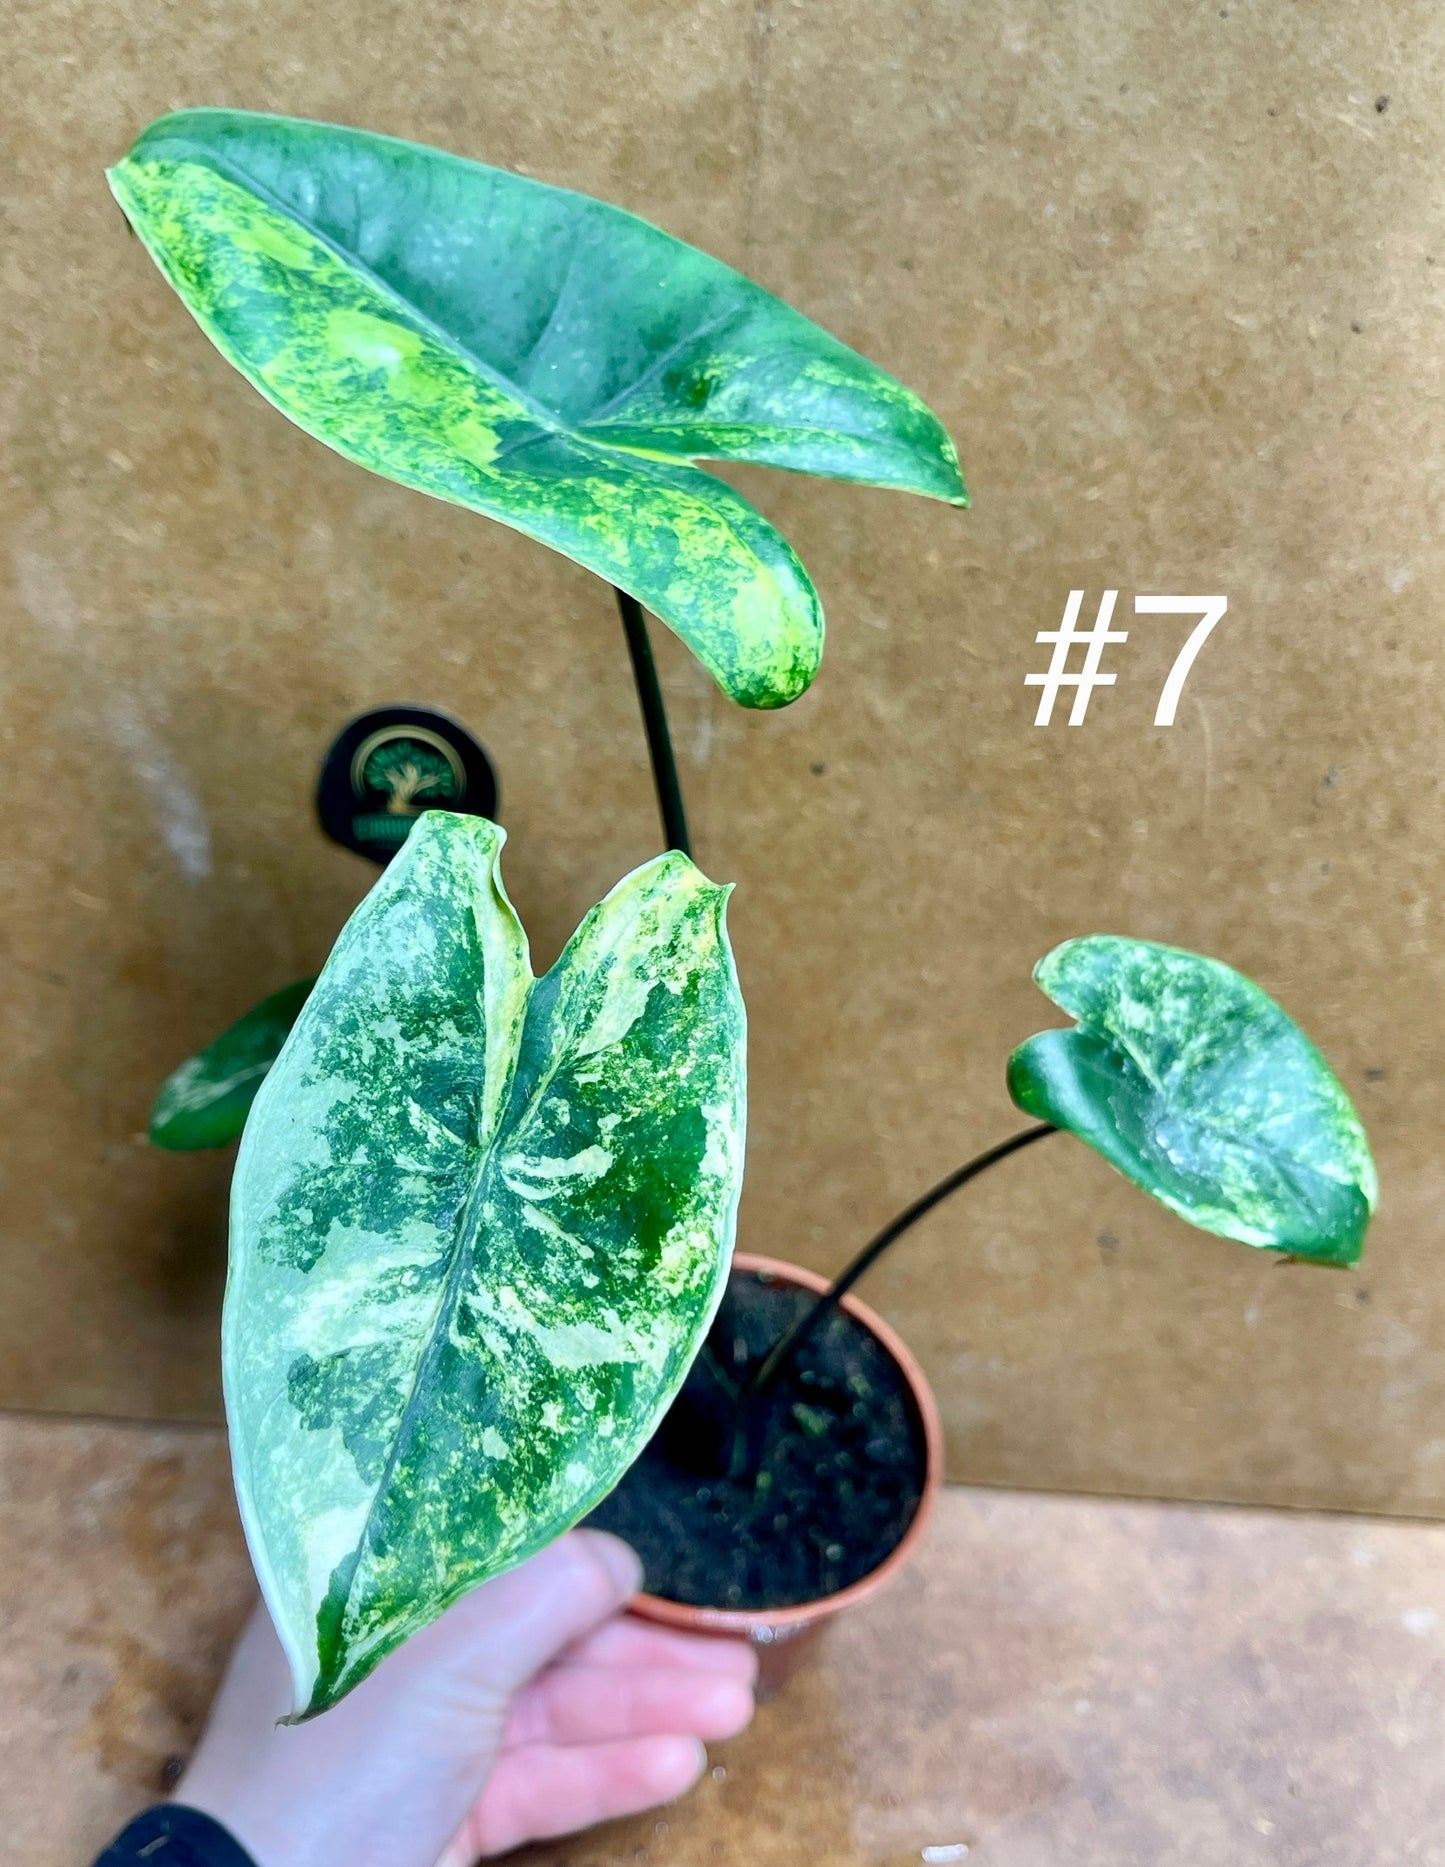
x,y
1057,1680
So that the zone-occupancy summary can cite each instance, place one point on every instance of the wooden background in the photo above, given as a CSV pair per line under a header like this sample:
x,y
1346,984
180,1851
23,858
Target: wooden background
x,y
1173,277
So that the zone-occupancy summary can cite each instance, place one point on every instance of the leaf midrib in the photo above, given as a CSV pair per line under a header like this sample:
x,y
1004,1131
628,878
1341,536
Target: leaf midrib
x,y
658,364
467,1231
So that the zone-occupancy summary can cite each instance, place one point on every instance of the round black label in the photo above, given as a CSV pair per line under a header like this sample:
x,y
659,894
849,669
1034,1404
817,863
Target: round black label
x,y
388,766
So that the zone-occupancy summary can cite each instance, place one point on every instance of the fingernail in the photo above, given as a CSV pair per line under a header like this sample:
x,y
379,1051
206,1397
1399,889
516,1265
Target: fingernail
x,y
685,1765
621,1561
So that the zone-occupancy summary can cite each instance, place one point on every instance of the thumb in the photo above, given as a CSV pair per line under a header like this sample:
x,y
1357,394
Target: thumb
x,y
510,1628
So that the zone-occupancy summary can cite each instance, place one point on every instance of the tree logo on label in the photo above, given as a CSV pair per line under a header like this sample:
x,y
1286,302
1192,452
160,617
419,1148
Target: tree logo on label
x,y
389,766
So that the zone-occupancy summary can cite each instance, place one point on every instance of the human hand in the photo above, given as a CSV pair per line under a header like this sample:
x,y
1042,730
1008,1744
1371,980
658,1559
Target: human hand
x,y
532,1708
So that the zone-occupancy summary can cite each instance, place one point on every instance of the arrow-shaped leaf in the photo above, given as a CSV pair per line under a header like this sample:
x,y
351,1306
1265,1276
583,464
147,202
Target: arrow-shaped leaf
x,y
533,354
480,1225
205,1100
1186,1077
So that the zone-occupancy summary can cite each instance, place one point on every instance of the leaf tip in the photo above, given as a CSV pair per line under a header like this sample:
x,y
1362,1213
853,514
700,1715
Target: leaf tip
x,y
1022,1079
957,493
1047,969
1331,1254
118,181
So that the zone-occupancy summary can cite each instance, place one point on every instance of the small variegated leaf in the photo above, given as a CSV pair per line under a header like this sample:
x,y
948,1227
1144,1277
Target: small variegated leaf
x,y
204,1102
533,354
1185,1076
480,1225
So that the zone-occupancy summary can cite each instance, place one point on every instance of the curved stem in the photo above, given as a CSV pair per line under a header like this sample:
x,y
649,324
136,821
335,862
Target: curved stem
x,y
654,720
792,1340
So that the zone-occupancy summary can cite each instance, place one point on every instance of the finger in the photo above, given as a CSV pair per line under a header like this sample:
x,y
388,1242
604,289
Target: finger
x,y
627,1641
590,1704
513,1626
547,1790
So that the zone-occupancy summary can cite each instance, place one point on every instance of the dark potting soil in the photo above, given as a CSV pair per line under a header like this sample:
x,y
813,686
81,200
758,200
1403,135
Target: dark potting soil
x,y
835,1487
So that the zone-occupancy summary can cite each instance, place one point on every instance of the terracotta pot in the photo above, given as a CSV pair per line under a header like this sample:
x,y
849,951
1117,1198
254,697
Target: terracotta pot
x,y
768,1627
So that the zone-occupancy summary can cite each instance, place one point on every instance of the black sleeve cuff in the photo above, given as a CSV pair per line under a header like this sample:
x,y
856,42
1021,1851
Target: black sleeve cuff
x,y
175,1836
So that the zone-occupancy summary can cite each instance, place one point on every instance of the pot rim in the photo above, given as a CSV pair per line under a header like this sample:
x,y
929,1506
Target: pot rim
x,y
777,1622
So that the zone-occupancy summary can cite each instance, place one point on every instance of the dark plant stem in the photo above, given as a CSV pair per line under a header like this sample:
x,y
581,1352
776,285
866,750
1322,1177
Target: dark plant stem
x,y
654,720
783,1350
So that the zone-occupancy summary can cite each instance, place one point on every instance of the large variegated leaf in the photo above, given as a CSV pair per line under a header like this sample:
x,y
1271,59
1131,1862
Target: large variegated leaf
x,y
480,1225
533,354
204,1102
1186,1077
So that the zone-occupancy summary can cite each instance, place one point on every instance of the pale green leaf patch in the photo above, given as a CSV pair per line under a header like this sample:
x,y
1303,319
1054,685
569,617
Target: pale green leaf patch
x,y
1194,1083
533,354
480,1225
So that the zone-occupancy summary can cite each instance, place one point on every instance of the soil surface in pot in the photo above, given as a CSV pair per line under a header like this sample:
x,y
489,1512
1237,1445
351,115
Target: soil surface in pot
x,y
836,1485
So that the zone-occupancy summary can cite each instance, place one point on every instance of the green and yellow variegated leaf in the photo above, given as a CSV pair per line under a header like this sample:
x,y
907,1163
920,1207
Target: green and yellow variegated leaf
x,y
1186,1077
480,1225
204,1102
533,354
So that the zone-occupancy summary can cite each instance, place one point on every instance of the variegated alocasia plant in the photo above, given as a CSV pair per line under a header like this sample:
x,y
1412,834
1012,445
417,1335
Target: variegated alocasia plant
x,y
481,1221
533,354
480,1224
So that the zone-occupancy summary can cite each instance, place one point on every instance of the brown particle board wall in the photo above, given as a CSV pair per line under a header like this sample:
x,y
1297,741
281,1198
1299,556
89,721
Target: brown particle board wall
x,y
1175,278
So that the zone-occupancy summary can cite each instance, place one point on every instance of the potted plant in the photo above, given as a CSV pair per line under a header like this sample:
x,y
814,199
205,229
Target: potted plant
x,y
482,1222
